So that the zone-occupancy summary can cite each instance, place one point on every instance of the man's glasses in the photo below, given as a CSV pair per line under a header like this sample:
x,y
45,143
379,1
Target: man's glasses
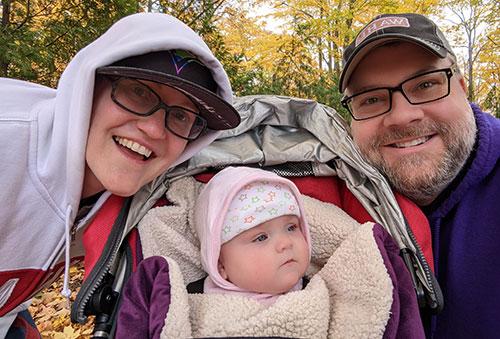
x,y
138,98
419,89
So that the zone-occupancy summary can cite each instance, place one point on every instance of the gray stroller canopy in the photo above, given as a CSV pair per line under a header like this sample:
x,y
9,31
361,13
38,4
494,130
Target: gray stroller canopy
x,y
297,137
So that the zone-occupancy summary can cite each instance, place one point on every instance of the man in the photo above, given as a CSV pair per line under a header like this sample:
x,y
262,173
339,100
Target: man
x,y
412,120
142,98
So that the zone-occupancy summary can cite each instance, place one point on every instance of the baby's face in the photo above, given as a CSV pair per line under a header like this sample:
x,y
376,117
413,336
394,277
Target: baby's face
x,y
269,258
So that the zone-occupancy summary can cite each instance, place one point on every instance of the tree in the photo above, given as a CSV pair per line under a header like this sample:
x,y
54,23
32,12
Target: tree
x,y
475,29
304,59
487,75
39,37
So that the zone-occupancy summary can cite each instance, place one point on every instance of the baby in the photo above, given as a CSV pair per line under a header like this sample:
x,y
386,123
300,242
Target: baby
x,y
254,238
256,248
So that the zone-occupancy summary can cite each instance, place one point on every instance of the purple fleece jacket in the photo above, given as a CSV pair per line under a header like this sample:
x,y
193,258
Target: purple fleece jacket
x,y
465,225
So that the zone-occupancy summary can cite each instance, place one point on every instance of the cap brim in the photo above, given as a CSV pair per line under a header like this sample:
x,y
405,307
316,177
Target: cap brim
x,y
364,48
223,116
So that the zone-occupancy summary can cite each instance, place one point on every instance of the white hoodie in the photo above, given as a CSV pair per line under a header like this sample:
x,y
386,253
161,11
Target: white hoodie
x,y
43,133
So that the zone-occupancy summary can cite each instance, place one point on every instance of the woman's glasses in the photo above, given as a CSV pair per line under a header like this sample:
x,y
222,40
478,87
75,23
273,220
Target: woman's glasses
x,y
138,98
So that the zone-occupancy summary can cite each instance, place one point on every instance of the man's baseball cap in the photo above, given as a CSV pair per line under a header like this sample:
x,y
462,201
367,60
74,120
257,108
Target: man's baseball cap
x,y
409,27
183,71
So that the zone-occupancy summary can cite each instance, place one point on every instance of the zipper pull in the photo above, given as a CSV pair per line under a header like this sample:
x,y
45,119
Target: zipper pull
x,y
73,231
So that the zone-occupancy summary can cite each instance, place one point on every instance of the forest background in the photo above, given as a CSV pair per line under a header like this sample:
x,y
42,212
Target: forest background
x,y
290,48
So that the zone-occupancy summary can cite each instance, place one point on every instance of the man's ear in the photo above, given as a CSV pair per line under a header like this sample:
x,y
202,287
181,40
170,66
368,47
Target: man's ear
x,y
463,84
222,271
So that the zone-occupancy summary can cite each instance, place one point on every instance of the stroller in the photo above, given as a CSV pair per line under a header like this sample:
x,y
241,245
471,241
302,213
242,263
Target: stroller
x,y
300,139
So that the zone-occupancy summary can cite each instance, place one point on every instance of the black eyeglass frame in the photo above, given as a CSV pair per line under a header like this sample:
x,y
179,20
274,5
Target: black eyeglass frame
x,y
449,71
160,105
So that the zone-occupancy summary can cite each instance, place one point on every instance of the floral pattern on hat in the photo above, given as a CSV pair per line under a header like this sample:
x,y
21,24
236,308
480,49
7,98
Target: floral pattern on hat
x,y
255,204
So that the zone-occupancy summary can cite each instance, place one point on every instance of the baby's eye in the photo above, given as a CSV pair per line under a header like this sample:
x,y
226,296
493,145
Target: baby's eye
x,y
292,227
260,238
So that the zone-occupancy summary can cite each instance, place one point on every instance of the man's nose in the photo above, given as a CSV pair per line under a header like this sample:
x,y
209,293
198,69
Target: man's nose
x,y
402,112
153,125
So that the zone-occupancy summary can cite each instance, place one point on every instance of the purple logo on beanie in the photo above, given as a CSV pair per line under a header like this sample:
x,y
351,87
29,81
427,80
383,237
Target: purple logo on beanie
x,y
181,59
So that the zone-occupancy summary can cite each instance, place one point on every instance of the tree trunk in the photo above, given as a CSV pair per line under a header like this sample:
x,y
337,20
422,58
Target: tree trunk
x,y
470,87
330,54
4,65
320,54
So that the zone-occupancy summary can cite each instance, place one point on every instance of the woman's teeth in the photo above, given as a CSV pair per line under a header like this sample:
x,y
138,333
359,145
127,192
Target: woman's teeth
x,y
134,146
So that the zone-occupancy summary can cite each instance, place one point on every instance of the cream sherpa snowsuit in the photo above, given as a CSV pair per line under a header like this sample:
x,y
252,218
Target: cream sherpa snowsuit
x,y
349,294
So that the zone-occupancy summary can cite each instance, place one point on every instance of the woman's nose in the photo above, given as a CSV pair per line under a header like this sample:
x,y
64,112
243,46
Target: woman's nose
x,y
153,125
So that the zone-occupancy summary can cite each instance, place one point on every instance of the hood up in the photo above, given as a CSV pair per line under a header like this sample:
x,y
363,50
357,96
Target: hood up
x,y
64,127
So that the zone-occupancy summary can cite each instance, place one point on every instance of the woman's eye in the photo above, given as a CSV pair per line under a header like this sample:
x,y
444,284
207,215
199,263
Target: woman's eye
x,y
180,115
139,91
260,238
141,94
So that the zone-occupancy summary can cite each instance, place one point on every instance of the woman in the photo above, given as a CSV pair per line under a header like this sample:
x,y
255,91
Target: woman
x,y
159,97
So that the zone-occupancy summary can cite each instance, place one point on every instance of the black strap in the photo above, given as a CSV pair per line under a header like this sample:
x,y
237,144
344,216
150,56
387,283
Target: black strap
x,y
197,286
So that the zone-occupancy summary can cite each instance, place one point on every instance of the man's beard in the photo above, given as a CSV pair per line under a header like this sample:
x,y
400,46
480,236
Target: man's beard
x,y
423,176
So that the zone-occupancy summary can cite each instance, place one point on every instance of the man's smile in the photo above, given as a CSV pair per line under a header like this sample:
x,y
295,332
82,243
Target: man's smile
x,y
410,142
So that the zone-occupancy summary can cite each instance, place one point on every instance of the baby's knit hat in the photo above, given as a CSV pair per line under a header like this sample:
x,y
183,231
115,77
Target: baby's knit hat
x,y
256,203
